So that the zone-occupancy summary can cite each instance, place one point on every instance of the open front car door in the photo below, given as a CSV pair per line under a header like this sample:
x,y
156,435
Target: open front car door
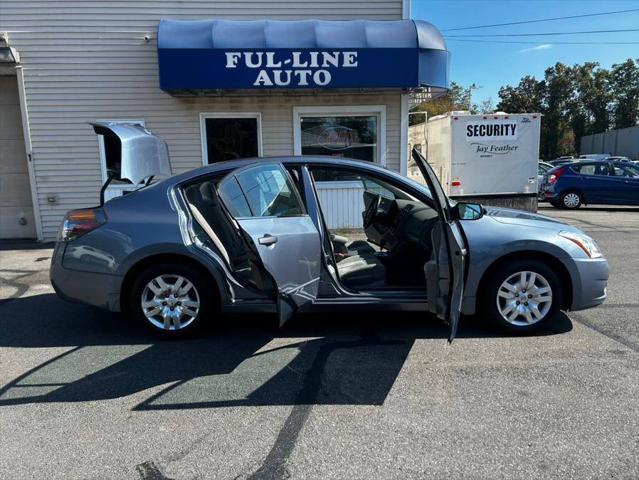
x,y
445,272
265,204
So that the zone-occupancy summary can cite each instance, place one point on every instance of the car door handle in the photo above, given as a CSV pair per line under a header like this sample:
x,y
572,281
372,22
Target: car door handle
x,y
267,239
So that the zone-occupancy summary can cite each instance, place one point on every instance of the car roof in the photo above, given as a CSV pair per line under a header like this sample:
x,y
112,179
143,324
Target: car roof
x,y
286,160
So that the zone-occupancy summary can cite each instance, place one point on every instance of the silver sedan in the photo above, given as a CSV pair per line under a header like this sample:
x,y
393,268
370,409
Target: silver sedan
x,y
256,235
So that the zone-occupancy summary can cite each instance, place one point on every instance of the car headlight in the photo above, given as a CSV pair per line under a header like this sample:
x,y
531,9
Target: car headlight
x,y
584,242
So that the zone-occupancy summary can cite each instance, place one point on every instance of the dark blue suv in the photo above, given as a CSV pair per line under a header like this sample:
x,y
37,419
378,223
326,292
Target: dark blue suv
x,y
595,182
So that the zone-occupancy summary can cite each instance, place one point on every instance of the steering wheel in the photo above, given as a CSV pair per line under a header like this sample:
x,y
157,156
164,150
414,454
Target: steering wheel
x,y
371,211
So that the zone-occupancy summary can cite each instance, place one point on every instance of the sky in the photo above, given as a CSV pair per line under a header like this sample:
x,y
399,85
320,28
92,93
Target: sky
x,y
492,65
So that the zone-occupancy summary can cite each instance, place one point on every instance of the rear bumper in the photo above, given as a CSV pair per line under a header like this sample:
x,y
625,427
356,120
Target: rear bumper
x,y
97,289
548,193
593,280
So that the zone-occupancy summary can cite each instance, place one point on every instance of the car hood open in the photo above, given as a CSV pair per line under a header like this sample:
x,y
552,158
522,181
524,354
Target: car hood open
x,y
132,152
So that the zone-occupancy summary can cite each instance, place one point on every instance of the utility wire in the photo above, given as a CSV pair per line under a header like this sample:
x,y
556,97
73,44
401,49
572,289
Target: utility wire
x,y
541,34
537,43
540,20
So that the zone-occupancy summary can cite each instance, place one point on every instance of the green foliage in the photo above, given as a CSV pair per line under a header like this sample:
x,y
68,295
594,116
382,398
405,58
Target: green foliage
x,y
457,98
576,101
624,79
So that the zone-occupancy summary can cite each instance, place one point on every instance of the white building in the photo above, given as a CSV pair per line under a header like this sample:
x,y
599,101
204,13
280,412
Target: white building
x,y
222,89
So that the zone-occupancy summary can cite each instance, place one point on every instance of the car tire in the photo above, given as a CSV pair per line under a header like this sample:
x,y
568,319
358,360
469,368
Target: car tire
x,y
528,308
171,300
571,200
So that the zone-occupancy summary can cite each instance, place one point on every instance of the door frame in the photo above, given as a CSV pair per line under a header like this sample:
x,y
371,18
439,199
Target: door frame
x,y
205,115
26,131
342,111
344,295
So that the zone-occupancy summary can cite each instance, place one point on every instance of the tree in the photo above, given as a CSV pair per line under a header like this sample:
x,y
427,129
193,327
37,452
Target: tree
x,y
456,98
527,97
576,101
625,88
590,112
559,97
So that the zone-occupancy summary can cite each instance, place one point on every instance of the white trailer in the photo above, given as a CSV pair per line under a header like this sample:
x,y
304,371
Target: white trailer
x,y
485,156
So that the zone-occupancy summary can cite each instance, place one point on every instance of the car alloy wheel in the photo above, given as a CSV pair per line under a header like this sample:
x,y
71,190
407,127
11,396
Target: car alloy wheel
x,y
524,298
170,302
571,200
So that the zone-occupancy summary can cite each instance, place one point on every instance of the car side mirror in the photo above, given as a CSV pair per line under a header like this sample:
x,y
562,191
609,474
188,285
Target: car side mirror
x,y
468,211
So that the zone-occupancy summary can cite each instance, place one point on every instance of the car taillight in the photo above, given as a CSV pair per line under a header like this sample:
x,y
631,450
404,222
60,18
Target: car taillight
x,y
79,222
552,179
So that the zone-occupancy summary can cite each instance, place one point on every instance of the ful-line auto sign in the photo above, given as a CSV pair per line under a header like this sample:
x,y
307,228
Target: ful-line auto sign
x,y
287,68
298,69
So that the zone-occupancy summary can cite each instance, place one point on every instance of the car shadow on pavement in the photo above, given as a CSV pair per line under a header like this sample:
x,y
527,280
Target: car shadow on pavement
x,y
315,359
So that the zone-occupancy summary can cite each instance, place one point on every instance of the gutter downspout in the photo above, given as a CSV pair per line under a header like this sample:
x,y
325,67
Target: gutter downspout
x,y
26,131
403,112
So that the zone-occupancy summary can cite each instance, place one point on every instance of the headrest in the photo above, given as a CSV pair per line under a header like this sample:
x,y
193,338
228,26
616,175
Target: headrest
x,y
208,192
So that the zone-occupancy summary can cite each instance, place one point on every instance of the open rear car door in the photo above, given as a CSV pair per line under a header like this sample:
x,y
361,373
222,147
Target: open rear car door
x,y
445,273
264,202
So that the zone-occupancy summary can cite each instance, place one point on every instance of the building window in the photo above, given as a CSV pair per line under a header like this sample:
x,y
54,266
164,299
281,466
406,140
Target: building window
x,y
351,132
352,137
229,136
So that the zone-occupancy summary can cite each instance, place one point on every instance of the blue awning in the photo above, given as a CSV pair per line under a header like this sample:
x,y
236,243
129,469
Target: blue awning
x,y
274,54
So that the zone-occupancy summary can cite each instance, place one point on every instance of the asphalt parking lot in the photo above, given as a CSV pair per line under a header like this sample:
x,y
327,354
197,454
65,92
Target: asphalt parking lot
x,y
84,394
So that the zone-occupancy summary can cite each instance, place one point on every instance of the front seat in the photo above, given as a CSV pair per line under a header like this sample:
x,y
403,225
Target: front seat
x,y
362,270
344,247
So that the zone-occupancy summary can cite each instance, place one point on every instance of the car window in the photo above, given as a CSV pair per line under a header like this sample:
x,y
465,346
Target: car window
x,y
591,169
268,190
374,186
625,171
231,193
327,176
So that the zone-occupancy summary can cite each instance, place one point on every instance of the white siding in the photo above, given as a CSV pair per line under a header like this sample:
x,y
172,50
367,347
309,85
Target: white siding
x,y
342,203
88,60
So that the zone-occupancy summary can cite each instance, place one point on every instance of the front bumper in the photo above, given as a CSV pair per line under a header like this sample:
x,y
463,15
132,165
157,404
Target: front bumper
x,y
589,289
97,289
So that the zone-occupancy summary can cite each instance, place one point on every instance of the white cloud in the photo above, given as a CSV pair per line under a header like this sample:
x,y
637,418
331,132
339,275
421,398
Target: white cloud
x,y
544,46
